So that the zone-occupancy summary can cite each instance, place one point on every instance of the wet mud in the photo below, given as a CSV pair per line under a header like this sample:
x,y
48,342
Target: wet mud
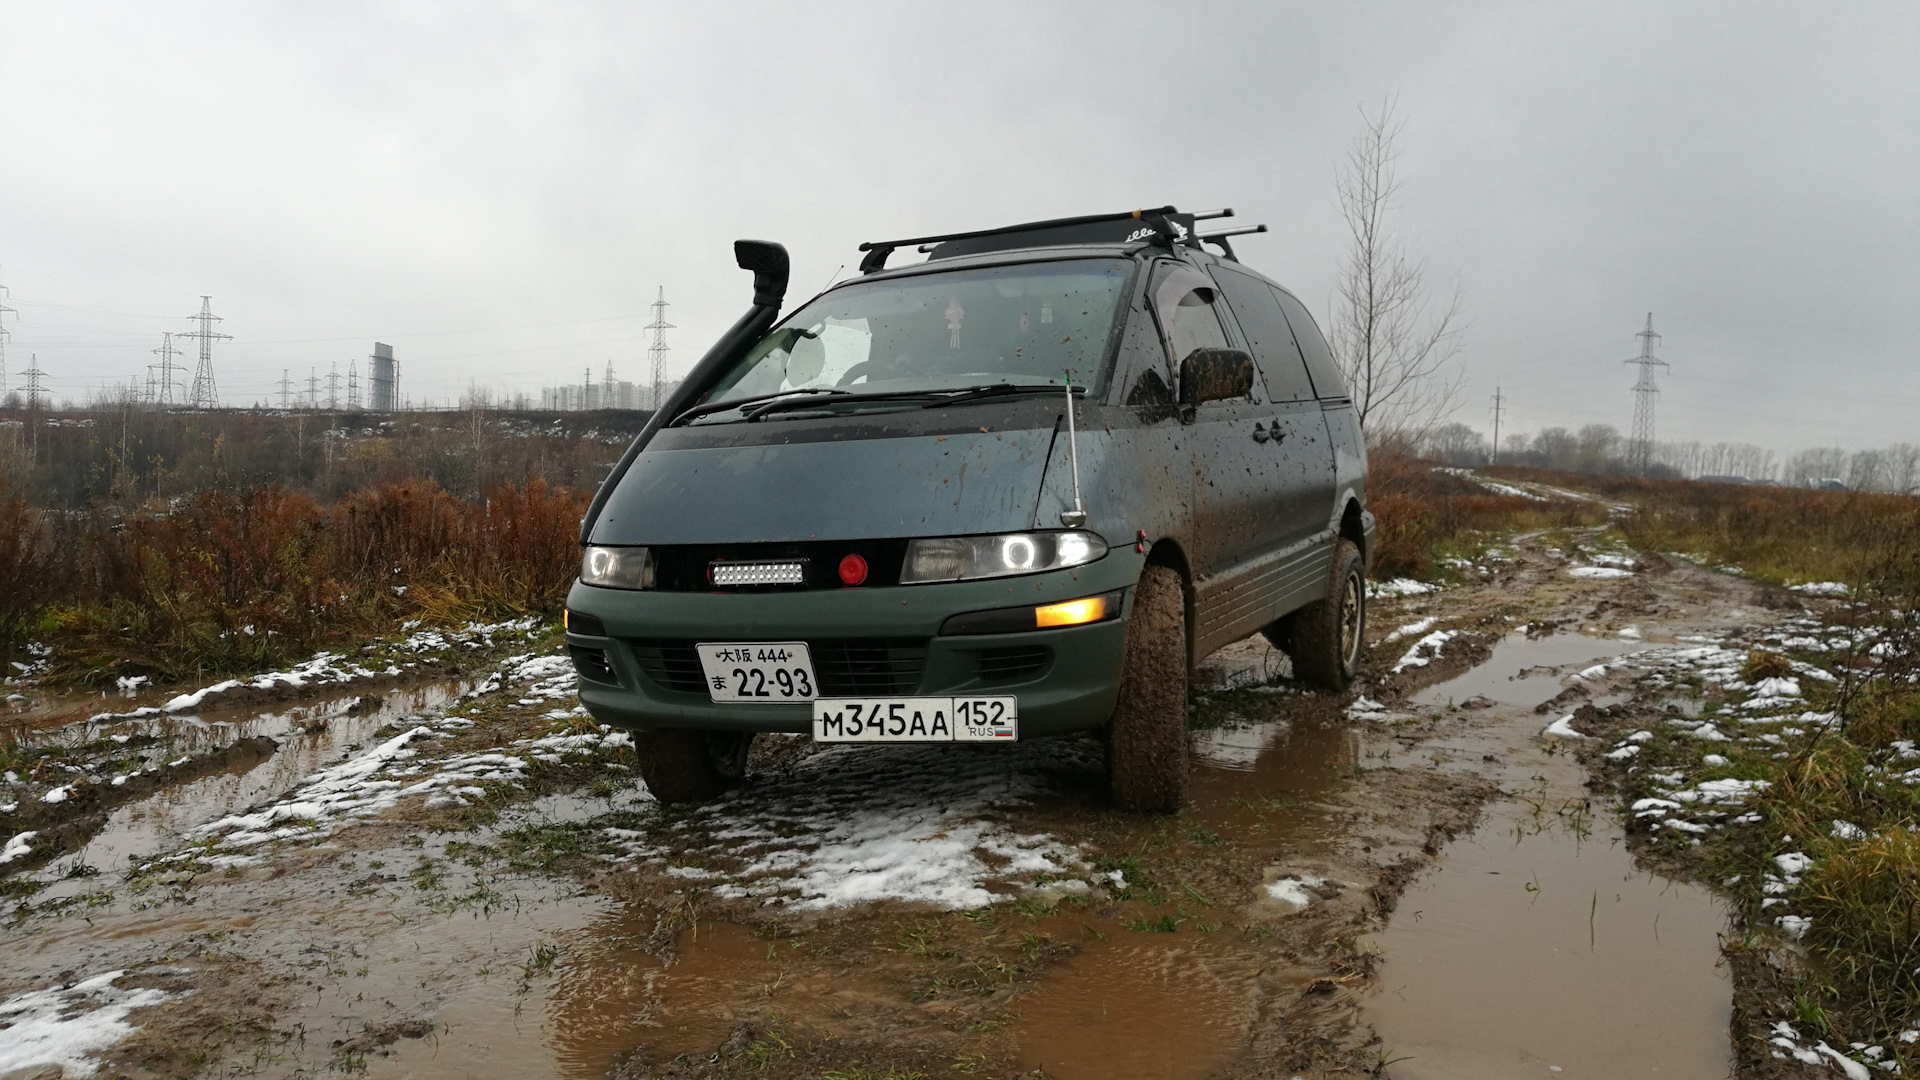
x,y
1408,881
1537,946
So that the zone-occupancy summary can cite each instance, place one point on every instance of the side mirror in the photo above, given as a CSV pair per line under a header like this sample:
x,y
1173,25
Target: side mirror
x,y
769,264
1215,375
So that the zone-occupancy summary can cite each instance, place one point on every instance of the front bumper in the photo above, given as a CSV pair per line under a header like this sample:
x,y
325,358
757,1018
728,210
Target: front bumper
x,y
881,642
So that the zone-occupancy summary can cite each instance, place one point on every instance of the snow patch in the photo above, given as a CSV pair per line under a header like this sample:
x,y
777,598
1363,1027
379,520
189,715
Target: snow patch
x,y
1399,587
1598,573
1563,729
66,1027
1293,889
1430,644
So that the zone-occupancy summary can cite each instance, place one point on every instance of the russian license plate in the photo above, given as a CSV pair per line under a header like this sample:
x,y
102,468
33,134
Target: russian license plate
x,y
924,719
762,672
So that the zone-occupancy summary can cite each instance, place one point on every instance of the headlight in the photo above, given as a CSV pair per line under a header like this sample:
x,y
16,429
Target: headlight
x,y
617,567
958,558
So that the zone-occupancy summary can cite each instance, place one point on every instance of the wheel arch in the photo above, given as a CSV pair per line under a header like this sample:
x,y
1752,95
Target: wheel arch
x,y
1168,553
1353,526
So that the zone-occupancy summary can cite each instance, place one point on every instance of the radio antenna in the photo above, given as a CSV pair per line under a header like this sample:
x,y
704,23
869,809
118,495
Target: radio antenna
x,y
1077,516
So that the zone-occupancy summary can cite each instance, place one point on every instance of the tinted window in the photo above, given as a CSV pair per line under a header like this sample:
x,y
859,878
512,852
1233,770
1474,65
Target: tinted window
x,y
1326,373
1254,305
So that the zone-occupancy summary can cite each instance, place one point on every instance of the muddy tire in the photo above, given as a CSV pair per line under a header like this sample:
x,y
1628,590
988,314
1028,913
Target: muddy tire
x,y
1324,638
691,766
1147,736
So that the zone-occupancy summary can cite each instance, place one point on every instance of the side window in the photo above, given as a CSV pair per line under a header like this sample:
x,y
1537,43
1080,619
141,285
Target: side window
x,y
1254,305
1146,380
1183,299
1326,374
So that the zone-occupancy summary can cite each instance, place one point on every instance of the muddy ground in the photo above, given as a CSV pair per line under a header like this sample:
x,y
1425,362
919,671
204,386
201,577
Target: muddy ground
x,y
462,878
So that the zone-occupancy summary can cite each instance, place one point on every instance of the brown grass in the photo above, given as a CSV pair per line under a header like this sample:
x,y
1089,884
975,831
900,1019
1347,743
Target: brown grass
x,y
229,581
1424,515
1772,533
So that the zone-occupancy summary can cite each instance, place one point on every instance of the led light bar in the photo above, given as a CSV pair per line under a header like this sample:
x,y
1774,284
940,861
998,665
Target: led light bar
x,y
785,572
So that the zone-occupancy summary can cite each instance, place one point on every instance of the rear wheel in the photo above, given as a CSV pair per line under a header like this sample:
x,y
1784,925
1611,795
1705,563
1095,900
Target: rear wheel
x,y
682,766
1324,637
1147,736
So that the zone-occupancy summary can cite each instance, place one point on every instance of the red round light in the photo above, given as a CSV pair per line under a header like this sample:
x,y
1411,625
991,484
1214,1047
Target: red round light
x,y
853,570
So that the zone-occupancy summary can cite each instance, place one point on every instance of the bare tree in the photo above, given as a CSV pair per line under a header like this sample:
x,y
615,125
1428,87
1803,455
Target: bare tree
x,y
1456,444
1903,468
1395,356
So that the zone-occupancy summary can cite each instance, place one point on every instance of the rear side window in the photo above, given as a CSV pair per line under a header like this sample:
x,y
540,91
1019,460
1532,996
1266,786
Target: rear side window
x,y
1255,305
1326,373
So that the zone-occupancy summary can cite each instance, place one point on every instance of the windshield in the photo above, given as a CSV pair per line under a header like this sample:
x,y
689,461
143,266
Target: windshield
x,y
1027,325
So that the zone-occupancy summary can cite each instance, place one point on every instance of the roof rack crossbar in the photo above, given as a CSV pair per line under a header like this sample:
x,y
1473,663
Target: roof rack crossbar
x,y
1241,231
1209,215
889,245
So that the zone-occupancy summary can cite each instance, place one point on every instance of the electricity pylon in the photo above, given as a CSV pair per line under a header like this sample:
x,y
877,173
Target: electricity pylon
x,y
1645,395
205,395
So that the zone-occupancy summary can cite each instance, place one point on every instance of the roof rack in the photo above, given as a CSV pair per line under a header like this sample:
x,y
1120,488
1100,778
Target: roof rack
x,y
1163,225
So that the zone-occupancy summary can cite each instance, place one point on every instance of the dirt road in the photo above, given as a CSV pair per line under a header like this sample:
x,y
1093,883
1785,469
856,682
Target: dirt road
x,y
460,878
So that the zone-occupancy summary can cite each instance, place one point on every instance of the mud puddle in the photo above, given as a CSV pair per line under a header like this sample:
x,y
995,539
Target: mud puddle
x,y
1135,997
1537,949
305,737
1136,1008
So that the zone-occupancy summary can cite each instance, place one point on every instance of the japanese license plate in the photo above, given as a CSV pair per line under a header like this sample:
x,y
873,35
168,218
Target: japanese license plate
x,y
926,719
763,672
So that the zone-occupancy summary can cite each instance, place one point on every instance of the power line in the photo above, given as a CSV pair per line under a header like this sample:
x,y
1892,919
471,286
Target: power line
x,y
204,395
1645,395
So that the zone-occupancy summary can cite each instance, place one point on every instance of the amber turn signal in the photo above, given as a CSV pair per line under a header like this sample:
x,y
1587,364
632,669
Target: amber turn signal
x,y
1071,612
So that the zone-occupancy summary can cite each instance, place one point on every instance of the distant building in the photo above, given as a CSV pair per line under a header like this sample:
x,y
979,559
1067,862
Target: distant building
x,y
386,379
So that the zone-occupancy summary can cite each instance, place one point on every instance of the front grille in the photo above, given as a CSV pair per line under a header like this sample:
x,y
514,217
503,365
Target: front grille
x,y
592,665
1012,665
671,665
851,667
845,667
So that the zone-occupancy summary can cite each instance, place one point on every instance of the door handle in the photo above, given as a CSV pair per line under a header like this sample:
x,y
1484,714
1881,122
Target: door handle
x,y
1259,433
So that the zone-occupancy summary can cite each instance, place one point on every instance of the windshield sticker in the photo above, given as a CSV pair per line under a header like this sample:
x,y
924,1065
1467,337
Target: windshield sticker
x,y
954,314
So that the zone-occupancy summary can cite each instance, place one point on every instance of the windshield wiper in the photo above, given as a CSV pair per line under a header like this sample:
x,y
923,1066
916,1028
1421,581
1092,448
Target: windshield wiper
x,y
939,395
710,407
975,393
754,408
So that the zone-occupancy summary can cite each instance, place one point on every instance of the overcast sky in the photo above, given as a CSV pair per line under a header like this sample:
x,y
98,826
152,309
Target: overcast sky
x,y
498,189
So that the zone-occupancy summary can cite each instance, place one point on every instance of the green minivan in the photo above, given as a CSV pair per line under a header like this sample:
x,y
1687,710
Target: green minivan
x,y
1013,490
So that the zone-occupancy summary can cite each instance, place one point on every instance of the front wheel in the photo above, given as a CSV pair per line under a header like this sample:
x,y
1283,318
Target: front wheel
x,y
1324,637
1147,736
682,766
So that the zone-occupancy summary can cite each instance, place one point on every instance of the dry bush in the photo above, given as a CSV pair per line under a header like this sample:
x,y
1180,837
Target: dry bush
x,y
227,582
30,572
